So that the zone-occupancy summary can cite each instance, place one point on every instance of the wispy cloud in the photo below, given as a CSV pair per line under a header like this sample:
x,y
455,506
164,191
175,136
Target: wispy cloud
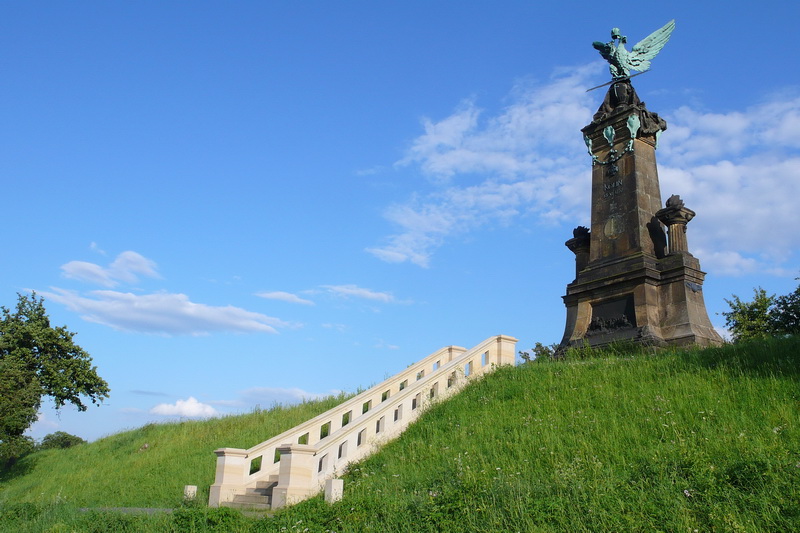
x,y
163,313
93,246
148,393
383,345
355,291
483,172
265,397
127,267
189,408
159,312
284,297
42,425
740,171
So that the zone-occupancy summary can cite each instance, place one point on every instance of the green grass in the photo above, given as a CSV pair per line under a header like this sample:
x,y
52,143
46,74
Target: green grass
x,y
676,441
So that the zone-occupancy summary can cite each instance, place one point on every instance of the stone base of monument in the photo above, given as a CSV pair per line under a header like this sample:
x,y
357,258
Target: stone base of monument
x,y
656,302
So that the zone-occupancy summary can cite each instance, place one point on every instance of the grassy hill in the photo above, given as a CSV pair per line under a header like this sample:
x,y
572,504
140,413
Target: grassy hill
x,y
705,440
149,466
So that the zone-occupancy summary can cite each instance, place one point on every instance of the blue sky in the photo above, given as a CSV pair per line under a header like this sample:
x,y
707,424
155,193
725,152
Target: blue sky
x,y
240,203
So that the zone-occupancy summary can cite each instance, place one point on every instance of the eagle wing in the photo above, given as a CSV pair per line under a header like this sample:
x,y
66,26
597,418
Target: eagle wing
x,y
645,50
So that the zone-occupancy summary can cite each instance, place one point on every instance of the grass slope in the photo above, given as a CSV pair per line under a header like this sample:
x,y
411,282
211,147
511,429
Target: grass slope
x,y
679,441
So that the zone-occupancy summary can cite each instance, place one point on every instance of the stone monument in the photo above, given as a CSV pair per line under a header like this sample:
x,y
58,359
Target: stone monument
x,y
633,281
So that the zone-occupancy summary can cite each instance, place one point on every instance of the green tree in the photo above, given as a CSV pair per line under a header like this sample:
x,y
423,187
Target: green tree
x,y
38,360
540,353
60,440
20,397
753,319
786,318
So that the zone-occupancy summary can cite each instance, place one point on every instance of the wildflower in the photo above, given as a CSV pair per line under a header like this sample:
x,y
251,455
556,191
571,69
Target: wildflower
x,y
687,493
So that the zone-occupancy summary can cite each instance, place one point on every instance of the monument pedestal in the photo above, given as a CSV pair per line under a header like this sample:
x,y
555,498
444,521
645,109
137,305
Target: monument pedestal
x,y
629,285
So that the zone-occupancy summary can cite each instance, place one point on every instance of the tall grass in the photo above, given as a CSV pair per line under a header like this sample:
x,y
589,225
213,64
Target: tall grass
x,y
675,441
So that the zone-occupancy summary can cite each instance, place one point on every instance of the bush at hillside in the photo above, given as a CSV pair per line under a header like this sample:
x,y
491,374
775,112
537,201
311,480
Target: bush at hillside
x,y
60,440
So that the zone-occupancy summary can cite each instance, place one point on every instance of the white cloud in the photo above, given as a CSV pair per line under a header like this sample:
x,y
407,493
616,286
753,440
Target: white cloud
x,y
728,263
534,135
530,156
88,272
127,267
42,425
190,408
93,246
740,171
768,128
383,345
284,297
164,313
267,396
359,292
425,224
148,393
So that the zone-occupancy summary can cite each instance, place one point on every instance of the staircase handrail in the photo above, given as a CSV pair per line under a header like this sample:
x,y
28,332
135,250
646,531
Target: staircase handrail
x,y
235,477
349,405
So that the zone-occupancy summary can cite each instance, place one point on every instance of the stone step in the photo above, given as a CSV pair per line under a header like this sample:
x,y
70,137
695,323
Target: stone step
x,y
270,479
263,488
251,498
247,506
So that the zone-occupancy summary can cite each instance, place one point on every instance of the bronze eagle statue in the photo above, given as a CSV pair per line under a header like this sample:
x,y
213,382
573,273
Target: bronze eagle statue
x,y
621,61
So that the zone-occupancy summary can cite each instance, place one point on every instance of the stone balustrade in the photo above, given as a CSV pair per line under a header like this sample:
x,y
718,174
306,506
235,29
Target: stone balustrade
x,y
301,459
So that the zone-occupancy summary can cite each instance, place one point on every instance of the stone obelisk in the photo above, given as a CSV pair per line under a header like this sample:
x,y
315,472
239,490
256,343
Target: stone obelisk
x,y
634,281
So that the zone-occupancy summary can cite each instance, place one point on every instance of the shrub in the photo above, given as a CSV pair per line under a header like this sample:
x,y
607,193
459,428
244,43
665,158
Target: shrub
x,y
60,440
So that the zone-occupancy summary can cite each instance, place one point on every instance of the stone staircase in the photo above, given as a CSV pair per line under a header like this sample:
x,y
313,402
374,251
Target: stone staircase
x,y
298,463
256,498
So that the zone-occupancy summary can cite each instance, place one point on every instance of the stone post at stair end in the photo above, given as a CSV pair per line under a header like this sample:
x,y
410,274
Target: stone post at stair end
x,y
296,475
232,465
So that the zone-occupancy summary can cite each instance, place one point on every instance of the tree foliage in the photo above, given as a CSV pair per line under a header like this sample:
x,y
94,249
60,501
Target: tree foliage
x,y
786,318
765,315
20,397
540,352
60,440
38,360
750,319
